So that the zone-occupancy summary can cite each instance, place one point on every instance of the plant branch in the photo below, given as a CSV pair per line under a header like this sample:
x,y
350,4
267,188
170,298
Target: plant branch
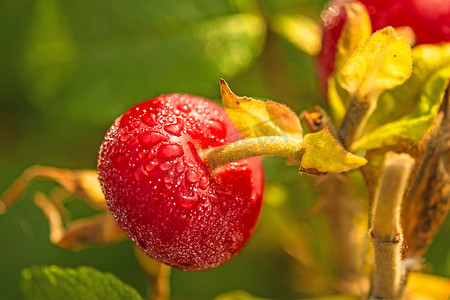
x,y
161,284
386,233
269,145
158,276
355,119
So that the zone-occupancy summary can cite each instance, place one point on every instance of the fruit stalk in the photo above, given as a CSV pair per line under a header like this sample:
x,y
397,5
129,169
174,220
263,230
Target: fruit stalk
x,y
270,145
386,234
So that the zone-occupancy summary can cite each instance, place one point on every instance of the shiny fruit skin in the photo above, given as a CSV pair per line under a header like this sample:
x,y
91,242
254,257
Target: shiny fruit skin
x,y
161,193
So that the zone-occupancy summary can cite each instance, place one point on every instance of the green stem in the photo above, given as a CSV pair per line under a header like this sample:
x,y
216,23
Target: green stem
x,y
268,145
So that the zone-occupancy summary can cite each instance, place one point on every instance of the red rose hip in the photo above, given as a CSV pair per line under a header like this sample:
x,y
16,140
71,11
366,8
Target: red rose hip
x,y
162,194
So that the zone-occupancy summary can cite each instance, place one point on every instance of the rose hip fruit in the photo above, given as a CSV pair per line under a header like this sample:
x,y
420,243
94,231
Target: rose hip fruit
x,y
163,195
429,19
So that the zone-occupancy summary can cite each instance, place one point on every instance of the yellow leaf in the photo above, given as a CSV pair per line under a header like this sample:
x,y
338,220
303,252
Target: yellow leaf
x,y
323,154
427,287
256,118
357,29
382,62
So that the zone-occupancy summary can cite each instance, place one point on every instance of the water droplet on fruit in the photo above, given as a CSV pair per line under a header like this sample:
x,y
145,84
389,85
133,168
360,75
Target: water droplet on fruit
x,y
149,119
142,244
180,166
179,180
213,198
216,128
142,154
140,174
169,177
125,138
150,166
167,165
152,138
175,129
170,151
192,176
203,182
184,108
135,123
188,161
188,202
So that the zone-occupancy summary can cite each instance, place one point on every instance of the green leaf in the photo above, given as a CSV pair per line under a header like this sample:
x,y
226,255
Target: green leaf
x,y
356,30
424,92
53,282
256,118
303,32
238,295
323,154
382,62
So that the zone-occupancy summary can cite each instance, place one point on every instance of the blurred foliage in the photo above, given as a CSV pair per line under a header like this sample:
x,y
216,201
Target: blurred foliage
x,y
53,282
68,68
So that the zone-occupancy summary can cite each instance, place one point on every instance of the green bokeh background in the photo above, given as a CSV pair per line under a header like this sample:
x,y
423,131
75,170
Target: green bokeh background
x,y
68,68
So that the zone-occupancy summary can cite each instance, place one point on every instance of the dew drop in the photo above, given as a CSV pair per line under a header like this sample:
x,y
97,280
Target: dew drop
x,y
135,123
170,151
140,174
184,108
152,138
141,154
213,198
125,138
180,166
203,182
188,202
142,244
167,165
149,119
179,180
188,161
192,176
175,129
148,167
216,128
169,177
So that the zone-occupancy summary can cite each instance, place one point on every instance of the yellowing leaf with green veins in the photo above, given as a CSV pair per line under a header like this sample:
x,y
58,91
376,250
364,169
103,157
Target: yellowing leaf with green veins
x,y
256,118
303,32
429,62
412,127
323,154
357,29
382,62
